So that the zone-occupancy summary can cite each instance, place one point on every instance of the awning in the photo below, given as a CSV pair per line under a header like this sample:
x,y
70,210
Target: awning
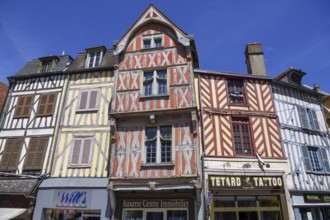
x,y
7,213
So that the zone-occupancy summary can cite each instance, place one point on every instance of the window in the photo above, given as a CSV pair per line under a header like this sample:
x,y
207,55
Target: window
x,y
11,154
94,59
23,106
82,152
47,66
46,104
315,159
35,154
308,118
242,136
155,83
236,91
158,144
88,100
155,214
152,41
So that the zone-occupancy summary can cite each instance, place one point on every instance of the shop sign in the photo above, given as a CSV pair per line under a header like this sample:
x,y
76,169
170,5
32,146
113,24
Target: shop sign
x,y
245,182
72,198
159,203
312,198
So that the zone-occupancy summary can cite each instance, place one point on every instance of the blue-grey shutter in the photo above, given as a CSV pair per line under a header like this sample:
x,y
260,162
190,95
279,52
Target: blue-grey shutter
x,y
325,158
76,152
314,119
306,160
303,117
86,149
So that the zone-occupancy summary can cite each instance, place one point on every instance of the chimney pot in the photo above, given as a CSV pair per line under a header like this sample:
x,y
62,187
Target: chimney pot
x,y
316,88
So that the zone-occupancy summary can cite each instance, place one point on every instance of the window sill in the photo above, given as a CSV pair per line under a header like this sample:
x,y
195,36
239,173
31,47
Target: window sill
x,y
44,115
86,111
79,166
318,172
154,96
146,165
239,104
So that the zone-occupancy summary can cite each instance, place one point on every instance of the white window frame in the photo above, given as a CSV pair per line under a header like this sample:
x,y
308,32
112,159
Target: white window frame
x,y
152,39
90,156
89,91
88,61
322,159
158,146
155,82
310,116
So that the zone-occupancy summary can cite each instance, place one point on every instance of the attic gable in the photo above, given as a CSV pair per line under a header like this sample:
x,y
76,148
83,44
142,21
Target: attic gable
x,y
151,15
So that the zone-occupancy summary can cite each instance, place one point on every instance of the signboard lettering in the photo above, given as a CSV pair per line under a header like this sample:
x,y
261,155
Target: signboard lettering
x,y
168,203
71,198
245,182
312,198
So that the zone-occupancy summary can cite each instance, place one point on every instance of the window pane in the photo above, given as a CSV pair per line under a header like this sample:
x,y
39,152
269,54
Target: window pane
x,y
162,88
146,43
166,132
248,215
273,215
148,88
242,136
314,156
246,201
158,42
133,215
155,216
166,151
268,201
236,91
91,59
224,201
177,215
225,215
151,152
151,133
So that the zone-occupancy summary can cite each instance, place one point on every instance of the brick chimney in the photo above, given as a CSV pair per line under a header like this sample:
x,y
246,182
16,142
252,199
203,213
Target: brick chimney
x,y
254,59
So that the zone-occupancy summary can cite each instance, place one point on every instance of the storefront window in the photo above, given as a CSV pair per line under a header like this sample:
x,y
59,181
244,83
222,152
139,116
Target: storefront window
x,y
71,214
155,215
246,207
177,215
133,215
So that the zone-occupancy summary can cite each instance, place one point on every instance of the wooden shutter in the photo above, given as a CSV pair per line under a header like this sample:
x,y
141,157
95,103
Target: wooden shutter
x,y
36,153
47,104
303,117
15,154
306,160
325,160
83,100
86,151
6,154
23,106
76,152
93,99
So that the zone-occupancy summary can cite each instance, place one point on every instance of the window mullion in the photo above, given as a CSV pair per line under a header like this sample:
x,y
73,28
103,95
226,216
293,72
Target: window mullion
x,y
155,84
158,147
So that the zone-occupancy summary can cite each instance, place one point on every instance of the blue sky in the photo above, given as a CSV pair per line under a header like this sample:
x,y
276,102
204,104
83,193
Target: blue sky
x,y
293,33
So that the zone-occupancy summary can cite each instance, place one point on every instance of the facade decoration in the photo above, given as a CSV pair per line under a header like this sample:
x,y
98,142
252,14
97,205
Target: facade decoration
x,y
28,124
155,152
244,164
80,162
306,144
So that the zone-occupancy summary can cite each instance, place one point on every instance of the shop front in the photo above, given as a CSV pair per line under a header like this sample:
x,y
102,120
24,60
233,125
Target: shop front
x,y
246,198
156,205
75,200
311,205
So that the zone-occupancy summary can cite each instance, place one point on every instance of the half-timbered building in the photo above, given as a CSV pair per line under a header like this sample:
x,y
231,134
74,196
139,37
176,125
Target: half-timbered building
x,y
154,154
243,161
28,129
77,187
3,94
306,144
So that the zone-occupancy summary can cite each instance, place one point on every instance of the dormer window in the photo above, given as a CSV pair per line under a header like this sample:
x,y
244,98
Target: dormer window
x,y
47,64
152,41
94,56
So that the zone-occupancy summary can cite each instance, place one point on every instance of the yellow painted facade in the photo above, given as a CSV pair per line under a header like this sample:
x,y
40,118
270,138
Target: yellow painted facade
x,y
80,124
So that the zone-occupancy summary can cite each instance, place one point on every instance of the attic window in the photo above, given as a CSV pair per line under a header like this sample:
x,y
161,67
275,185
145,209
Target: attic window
x,y
94,59
152,41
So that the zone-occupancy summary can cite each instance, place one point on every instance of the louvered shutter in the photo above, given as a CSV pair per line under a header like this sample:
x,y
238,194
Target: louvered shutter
x,y
15,154
83,100
42,105
6,154
30,155
306,160
315,121
93,100
86,151
40,153
27,106
51,103
303,117
76,152
325,160
19,106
